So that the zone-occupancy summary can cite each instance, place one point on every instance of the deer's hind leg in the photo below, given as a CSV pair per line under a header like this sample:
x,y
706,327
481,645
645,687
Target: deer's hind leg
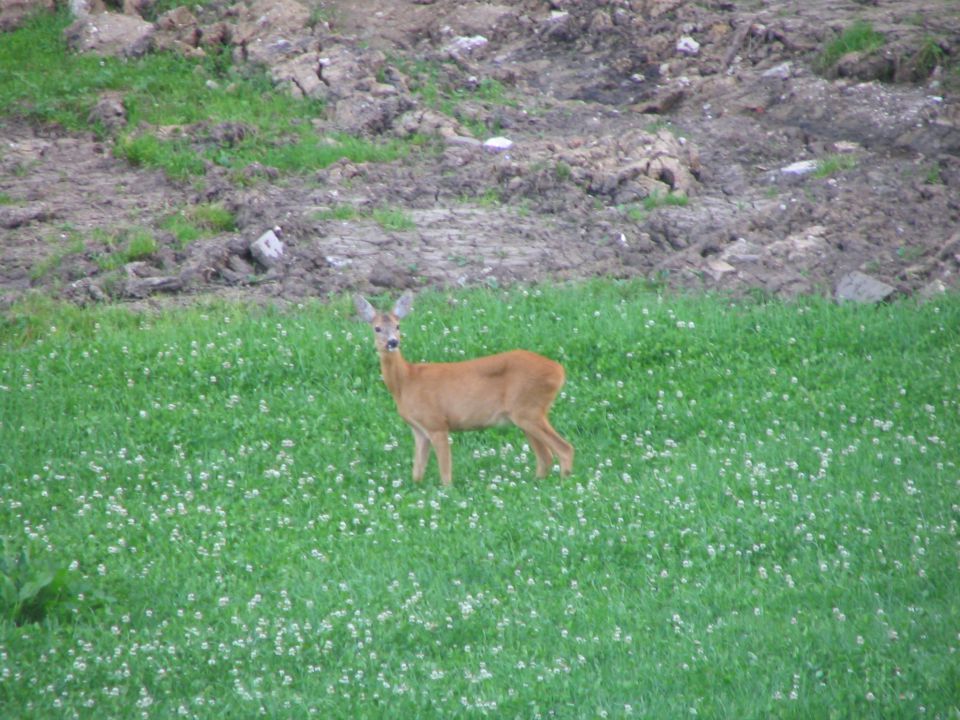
x,y
542,451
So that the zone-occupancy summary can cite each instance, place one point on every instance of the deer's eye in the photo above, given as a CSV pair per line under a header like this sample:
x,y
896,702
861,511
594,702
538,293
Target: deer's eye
x,y
378,329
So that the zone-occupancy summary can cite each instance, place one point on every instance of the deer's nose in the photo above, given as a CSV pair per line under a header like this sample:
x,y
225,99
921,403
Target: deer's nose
x,y
392,344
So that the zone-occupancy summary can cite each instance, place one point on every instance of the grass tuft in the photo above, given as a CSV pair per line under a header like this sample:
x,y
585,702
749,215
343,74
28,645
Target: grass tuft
x,y
834,164
859,37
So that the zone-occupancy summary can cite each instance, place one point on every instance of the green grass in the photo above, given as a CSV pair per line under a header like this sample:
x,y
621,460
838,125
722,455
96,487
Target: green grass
x,y
196,221
929,56
639,213
762,520
394,219
126,245
389,218
67,243
339,212
41,80
834,164
859,37
440,90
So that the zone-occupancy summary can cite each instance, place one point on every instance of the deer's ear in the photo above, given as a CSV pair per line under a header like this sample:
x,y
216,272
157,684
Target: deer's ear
x,y
364,309
404,305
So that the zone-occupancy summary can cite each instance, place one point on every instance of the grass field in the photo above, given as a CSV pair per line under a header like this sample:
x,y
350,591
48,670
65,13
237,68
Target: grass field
x,y
761,523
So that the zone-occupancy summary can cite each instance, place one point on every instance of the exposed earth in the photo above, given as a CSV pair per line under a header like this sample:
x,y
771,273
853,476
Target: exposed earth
x,y
609,102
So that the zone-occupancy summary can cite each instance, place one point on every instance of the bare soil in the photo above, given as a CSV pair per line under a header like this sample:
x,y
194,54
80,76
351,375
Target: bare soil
x,y
595,87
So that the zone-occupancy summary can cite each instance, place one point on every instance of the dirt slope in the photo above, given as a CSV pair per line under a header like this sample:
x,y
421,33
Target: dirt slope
x,y
609,101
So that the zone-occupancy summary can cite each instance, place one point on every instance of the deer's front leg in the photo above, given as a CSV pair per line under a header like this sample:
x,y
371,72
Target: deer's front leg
x,y
421,453
441,446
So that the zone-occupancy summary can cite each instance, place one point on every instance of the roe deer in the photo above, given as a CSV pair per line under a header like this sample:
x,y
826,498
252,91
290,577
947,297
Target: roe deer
x,y
435,398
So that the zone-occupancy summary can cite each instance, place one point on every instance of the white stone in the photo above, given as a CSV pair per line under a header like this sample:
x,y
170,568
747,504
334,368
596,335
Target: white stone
x,y
466,45
267,249
801,167
498,144
688,46
781,71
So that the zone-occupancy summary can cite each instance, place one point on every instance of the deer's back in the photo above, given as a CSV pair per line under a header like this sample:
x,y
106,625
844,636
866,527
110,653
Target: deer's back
x,y
480,392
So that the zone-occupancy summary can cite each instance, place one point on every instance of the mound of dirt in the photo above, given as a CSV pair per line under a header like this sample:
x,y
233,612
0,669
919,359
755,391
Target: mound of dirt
x,y
694,144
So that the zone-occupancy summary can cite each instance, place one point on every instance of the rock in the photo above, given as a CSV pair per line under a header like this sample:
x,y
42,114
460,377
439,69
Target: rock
x,y
109,111
480,19
858,287
179,30
13,216
267,249
389,278
273,30
740,250
688,46
137,287
14,12
464,46
497,144
360,114
932,289
110,34
801,167
559,27
866,66
800,246
300,74
779,72
240,266
462,140
717,268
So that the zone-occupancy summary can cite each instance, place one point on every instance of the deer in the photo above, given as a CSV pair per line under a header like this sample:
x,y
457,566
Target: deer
x,y
435,399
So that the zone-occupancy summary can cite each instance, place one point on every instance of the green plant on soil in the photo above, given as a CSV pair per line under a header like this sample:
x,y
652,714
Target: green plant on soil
x,y
173,106
859,37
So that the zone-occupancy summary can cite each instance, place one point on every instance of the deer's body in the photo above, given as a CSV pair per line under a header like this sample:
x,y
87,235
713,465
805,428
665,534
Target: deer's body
x,y
435,399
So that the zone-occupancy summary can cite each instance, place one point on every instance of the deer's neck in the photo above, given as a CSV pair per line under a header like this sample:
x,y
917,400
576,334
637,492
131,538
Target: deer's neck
x,y
395,371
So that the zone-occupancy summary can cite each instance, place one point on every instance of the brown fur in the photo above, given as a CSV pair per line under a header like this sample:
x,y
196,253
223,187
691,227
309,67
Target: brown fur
x,y
436,398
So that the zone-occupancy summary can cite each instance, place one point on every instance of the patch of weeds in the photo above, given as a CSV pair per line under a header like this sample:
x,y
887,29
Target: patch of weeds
x,y
213,216
636,213
932,176
197,221
491,197
393,219
5,199
833,164
859,37
493,91
929,56
32,592
173,156
655,200
657,125
47,83
386,217
131,245
910,253
436,85
70,244
338,212
563,171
